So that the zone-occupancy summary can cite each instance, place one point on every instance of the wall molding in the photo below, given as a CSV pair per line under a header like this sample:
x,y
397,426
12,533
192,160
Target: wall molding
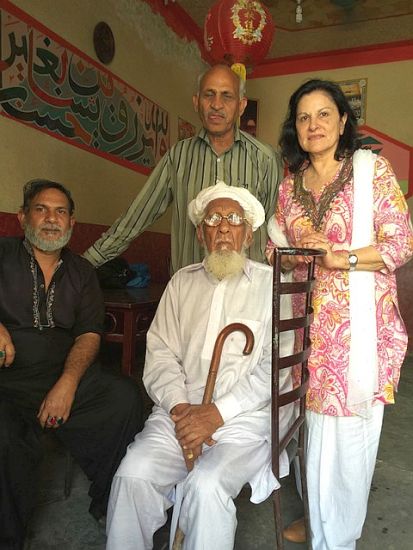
x,y
335,59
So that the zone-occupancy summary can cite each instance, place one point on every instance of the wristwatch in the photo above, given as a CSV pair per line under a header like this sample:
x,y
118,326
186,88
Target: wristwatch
x,y
352,260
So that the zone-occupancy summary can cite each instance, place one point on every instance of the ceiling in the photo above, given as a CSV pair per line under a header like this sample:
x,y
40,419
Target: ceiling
x,y
327,24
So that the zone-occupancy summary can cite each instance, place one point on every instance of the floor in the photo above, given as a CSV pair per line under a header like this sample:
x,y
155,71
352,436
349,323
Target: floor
x,y
60,524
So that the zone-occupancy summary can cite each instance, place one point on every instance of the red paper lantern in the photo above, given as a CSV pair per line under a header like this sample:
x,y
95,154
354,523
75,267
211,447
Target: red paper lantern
x,y
238,31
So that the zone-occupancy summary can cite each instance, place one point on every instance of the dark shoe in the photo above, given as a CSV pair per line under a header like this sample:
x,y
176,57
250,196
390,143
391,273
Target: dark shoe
x,y
102,522
97,514
295,532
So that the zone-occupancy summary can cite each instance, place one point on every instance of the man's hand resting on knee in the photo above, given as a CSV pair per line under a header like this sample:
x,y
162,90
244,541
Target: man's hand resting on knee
x,y
7,351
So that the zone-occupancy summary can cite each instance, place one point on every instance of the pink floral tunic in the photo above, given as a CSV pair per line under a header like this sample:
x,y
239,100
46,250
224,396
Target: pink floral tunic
x,y
330,332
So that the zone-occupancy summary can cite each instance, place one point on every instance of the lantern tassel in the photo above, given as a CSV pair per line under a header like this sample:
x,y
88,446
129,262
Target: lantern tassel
x,y
240,70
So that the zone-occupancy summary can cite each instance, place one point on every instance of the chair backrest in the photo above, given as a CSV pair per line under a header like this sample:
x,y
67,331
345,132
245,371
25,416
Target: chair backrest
x,y
302,349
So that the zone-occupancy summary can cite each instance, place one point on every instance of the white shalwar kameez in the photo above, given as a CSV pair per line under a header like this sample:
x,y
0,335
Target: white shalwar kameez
x,y
337,447
193,310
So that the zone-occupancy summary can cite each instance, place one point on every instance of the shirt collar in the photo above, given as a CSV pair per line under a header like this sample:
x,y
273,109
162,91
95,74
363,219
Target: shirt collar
x,y
194,267
248,269
27,245
29,248
203,134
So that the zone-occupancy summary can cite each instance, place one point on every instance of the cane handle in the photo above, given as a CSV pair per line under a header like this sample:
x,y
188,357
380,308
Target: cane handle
x,y
216,355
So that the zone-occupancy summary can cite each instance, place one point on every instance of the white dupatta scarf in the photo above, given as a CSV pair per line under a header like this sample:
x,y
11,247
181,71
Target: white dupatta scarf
x,y
362,374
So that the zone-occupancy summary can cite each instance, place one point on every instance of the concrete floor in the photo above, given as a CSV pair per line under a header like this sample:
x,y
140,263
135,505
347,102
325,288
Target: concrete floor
x,y
60,524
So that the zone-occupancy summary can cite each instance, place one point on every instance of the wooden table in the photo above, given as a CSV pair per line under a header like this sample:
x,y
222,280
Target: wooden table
x,y
128,314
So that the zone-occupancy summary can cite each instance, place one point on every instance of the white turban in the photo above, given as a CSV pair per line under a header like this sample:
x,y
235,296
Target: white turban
x,y
253,210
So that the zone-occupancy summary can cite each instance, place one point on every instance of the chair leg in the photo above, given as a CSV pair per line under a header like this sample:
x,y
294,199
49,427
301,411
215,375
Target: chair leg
x,y
68,474
304,489
276,499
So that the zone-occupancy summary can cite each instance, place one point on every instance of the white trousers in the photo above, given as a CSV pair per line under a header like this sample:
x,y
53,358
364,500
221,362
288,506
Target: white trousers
x,y
143,487
341,456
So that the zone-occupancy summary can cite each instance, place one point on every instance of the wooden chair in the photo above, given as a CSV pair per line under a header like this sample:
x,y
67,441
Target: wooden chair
x,y
299,361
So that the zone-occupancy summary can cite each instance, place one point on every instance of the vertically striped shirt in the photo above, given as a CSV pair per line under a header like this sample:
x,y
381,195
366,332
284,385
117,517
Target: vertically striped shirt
x,y
189,166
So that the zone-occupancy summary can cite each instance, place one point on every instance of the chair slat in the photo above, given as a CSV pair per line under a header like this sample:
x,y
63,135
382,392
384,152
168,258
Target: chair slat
x,y
296,358
300,287
297,322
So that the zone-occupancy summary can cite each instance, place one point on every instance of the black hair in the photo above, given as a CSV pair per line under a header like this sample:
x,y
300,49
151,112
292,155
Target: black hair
x,y
291,151
34,187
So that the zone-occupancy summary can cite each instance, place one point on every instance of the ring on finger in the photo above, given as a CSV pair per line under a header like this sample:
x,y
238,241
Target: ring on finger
x,y
52,420
2,354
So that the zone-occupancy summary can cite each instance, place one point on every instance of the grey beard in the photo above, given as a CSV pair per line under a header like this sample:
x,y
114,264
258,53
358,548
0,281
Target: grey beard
x,y
224,263
46,245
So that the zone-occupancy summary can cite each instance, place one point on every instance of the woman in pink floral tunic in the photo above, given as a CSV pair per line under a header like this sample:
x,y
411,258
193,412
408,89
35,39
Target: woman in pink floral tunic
x,y
346,201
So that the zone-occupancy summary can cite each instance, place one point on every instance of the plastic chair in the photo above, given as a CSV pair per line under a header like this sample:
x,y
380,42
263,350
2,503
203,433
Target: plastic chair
x,y
299,361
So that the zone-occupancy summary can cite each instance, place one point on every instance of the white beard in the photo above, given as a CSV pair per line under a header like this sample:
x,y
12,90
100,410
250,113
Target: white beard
x,y
224,263
46,245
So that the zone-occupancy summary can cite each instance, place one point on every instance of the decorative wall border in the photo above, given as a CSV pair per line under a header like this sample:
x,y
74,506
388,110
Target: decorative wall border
x,y
398,153
335,59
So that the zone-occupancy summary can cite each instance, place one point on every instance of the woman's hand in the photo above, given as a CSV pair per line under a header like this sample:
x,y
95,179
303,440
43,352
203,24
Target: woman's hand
x,y
331,260
287,262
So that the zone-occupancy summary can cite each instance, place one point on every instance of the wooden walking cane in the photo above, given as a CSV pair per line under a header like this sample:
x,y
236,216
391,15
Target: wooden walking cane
x,y
210,385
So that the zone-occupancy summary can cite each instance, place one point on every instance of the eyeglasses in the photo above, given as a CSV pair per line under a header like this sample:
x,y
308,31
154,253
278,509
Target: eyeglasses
x,y
215,219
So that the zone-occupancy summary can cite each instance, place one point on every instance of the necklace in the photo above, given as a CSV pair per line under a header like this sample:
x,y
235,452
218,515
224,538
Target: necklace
x,y
316,211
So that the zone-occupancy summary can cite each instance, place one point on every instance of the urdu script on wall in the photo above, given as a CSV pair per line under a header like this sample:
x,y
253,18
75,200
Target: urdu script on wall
x,y
49,85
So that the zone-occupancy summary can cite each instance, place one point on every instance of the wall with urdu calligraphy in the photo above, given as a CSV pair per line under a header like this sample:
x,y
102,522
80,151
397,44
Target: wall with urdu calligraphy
x,y
51,87
67,117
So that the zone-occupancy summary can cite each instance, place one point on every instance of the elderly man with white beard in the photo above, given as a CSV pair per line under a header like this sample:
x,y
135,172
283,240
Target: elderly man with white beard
x,y
51,320
228,440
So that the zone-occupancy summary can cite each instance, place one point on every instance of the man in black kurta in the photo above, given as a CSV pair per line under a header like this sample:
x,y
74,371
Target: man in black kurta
x,y
51,319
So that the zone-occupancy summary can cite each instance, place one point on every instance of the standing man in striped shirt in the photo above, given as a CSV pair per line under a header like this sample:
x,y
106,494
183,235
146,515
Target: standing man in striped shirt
x,y
220,151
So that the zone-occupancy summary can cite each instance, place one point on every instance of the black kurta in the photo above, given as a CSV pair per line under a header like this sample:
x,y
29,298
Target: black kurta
x,y
107,410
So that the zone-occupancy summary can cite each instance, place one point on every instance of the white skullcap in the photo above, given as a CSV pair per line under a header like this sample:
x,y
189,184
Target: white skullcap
x,y
253,210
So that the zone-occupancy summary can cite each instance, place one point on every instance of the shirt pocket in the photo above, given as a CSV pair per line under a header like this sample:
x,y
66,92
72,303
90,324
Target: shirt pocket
x,y
236,341
234,365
